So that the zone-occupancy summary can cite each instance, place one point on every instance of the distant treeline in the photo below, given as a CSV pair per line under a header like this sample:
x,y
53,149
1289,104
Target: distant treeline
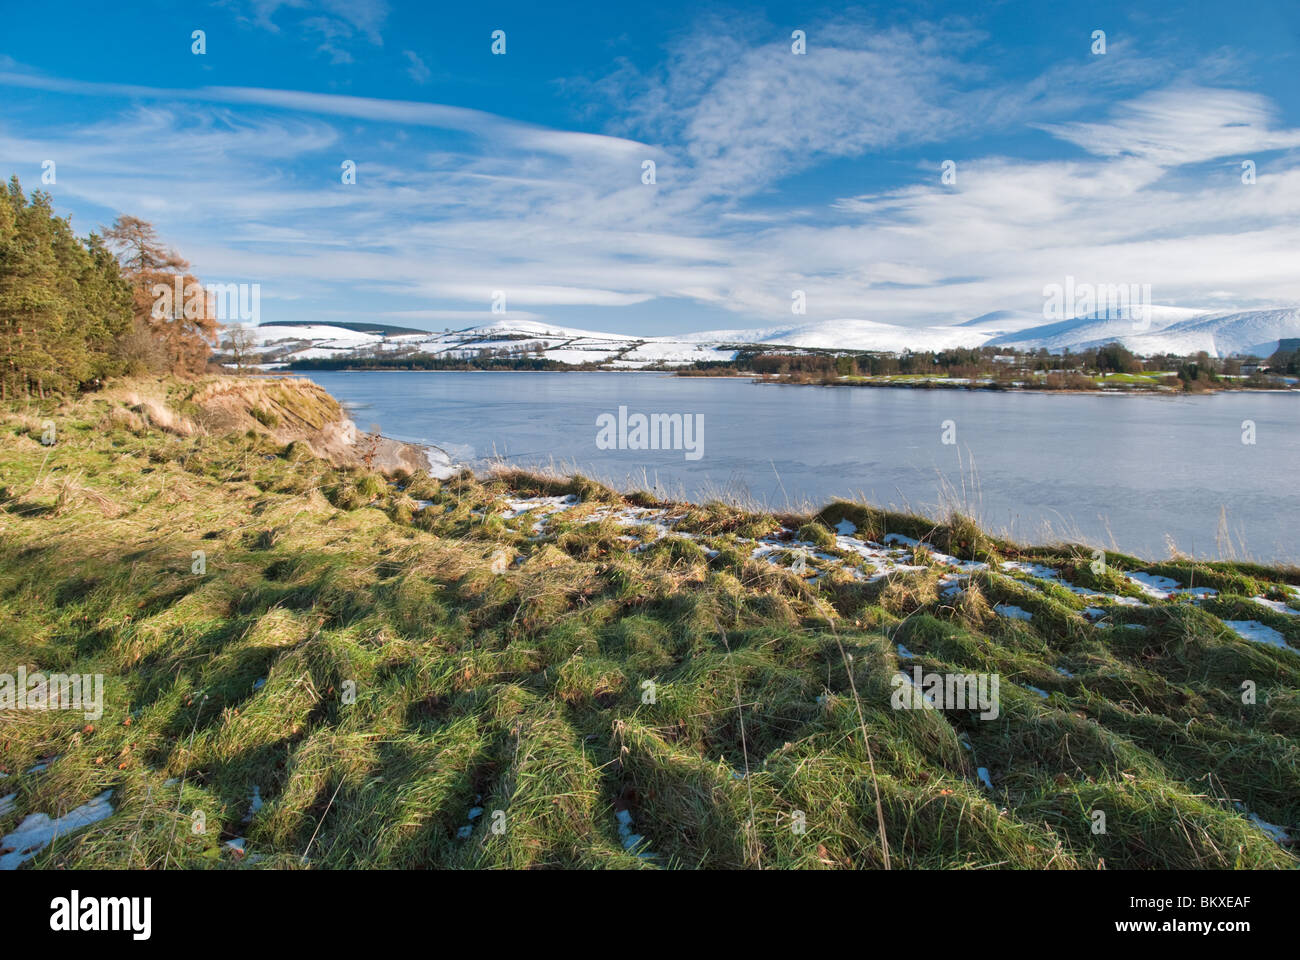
x,y
1001,366
1067,370
959,362
76,310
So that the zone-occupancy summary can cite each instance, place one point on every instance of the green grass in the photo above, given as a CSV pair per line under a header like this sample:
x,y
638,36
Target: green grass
x,y
1145,379
378,670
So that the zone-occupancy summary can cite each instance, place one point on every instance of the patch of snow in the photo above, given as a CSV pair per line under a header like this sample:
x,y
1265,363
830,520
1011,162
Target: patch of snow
x,y
1272,829
630,840
515,508
1011,610
899,538
1041,572
544,507
1275,832
1162,588
1038,570
37,830
1254,630
1158,587
467,831
1276,605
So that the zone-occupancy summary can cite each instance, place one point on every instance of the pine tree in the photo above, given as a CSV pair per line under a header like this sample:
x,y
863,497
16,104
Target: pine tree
x,y
63,304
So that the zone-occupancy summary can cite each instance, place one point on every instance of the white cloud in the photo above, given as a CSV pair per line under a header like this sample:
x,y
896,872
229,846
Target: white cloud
x,y
747,114
416,68
1183,125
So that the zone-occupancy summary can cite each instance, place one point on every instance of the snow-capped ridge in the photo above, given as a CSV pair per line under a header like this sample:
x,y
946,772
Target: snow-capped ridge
x,y
1157,329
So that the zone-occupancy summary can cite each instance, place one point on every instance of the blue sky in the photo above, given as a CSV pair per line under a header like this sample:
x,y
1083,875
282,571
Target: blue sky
x,y
775,172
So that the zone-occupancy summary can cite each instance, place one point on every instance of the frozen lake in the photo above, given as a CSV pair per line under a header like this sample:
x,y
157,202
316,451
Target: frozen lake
x,y
1127,473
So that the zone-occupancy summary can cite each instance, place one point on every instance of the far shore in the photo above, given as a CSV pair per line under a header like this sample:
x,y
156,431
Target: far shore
x,y
875,383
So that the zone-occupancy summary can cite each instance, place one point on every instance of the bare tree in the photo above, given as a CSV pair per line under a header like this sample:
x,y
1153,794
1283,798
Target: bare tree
x,y
241,343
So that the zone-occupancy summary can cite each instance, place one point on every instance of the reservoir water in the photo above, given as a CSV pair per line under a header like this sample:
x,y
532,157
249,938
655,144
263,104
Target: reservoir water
x,y
1133,473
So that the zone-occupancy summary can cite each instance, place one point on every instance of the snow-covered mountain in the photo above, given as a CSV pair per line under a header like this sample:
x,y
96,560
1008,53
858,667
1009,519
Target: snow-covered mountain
x,y
852,335
1177,330
1094,329
1174,330
1255,332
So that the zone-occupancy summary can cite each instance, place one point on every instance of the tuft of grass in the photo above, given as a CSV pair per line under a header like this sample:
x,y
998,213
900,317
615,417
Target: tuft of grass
x,y
265,417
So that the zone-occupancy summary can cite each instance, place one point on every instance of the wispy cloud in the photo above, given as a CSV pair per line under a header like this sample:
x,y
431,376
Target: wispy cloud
x,y
742,115
335,24
416,68
1184,124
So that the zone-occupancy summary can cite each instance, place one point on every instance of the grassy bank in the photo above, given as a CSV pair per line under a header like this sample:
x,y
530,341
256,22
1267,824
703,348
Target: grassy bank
x,y
525,671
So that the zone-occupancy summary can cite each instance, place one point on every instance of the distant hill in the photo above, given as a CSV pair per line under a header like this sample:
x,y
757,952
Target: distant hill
x,y
383,329
849,334
1168,330
1175,330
